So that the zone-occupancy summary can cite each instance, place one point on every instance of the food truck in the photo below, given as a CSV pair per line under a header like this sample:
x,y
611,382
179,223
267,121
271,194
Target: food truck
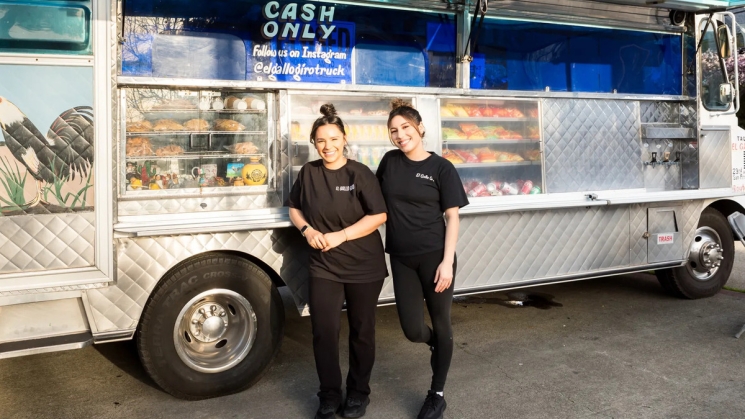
x,y
148,149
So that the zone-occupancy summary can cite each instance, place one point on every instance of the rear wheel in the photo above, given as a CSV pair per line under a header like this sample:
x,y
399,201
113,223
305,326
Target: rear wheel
x,y
710,260
211,327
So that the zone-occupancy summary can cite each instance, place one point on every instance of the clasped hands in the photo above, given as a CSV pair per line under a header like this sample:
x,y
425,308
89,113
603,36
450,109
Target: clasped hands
x,y
324,242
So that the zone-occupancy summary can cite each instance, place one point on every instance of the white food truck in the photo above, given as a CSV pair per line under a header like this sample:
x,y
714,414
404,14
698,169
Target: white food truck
x,y
148,149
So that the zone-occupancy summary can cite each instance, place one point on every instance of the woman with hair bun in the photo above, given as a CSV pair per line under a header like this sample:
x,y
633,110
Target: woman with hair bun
x,y
337,205
419,187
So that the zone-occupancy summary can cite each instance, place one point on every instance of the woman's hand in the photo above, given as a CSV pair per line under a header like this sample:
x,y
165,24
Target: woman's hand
x,y
334,239
444,276
315,238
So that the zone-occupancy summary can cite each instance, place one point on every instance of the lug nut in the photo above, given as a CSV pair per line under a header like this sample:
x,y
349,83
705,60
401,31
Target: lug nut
x,y
201,311
222,314
213,308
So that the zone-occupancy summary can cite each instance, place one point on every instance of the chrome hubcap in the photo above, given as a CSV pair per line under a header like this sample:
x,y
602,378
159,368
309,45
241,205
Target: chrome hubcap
x,y
706,254
215,331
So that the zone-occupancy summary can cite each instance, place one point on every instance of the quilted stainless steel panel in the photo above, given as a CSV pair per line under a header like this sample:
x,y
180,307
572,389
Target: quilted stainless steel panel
x,y
637,228
512,247
50,241
592,145
688,220
665,252
143,261
665,175
715,159
663,220
689,164
53,289
200,204
494,249
688,115
659,112
679,132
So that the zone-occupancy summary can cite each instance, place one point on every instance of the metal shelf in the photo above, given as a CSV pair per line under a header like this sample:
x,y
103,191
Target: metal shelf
x,y
345,118
491,141
197,110
485,119
497,164
194,156
155,133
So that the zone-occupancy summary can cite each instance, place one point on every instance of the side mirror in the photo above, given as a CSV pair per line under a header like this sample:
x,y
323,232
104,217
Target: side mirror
x,y
737,222
725,93
725,47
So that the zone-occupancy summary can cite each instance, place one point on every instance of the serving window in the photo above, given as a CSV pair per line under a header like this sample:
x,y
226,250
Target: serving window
x,y
196,142
524,55
494,144
365,122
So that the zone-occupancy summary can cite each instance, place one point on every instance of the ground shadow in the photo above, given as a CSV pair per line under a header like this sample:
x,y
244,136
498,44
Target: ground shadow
x,y
124,356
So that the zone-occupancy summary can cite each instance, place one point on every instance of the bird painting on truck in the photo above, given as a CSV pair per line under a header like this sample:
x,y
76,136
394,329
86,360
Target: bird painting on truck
x,y
65,153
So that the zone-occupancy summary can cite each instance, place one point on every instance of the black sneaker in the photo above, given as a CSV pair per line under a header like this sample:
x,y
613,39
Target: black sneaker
x,y
354,407
327,410
434,406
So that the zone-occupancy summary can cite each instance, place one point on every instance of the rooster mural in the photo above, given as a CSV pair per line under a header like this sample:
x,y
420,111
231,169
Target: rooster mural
x,y
65,152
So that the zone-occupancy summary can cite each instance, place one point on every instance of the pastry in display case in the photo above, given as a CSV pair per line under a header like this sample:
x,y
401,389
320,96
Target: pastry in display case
x,y
193,140
365,120
494,144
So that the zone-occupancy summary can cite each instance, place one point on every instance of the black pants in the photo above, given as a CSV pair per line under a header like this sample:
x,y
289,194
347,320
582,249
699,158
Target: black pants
x,y
413,283
326,300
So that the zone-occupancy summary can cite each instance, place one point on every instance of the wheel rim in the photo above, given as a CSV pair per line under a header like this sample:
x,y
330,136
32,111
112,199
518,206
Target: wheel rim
x,y
706,254
215,331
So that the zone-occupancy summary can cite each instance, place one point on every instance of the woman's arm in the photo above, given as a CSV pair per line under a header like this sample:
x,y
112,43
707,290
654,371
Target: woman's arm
x,y
365,226
314,237
444,276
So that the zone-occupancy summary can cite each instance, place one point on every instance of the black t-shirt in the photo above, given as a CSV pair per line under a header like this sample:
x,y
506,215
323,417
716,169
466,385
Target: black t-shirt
x,y
417,194
331,200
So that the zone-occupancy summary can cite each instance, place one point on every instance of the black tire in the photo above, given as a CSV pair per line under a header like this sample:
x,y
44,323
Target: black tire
x,y
681,283
156,342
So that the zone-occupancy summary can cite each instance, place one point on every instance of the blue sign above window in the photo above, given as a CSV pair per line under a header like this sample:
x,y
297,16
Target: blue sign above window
x,y
289,42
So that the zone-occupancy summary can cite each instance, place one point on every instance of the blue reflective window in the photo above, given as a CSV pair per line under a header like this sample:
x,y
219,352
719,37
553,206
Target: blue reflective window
x,y
54,27
517,55
266,40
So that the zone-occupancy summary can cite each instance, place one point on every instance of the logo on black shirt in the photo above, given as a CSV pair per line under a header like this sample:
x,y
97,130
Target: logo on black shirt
x,y
345,188
423,176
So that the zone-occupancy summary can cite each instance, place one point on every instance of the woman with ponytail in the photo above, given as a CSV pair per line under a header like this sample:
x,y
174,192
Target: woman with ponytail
x,y
337,205
419,187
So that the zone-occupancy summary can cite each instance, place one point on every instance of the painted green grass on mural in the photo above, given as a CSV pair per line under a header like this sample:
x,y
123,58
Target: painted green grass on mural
x,y
13,184
56,190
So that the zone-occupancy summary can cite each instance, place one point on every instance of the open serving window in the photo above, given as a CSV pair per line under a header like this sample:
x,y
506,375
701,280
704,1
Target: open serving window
x,y
186,142
494,144
365,119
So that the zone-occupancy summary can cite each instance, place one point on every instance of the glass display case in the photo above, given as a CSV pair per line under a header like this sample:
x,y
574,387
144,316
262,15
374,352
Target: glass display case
x,y
494,144
184,142
365,119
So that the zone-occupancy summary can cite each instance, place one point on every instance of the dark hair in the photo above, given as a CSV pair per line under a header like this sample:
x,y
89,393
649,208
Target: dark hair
x,y
329,118
402,108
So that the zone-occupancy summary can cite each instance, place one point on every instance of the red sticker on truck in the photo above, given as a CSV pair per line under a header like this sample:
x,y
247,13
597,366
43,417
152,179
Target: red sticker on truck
x,y
665,239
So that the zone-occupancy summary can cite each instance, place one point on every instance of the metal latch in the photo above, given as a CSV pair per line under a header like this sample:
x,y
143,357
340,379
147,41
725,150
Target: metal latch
x,y
591,196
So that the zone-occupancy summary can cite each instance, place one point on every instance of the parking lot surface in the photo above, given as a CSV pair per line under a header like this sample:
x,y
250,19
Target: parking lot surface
x,y
605,348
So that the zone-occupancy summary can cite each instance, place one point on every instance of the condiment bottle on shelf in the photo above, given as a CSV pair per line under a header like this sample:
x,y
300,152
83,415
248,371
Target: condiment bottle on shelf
x,y
254,173
144,177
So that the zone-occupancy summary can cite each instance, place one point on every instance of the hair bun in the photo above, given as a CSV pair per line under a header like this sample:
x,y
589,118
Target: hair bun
x,y
397,103
328,110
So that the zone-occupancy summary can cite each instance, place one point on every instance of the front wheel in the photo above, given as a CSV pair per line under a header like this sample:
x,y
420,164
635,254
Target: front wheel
x,y
710,260
211,327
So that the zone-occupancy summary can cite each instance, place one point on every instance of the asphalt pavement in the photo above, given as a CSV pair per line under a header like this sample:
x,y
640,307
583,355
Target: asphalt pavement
x,y
605,348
